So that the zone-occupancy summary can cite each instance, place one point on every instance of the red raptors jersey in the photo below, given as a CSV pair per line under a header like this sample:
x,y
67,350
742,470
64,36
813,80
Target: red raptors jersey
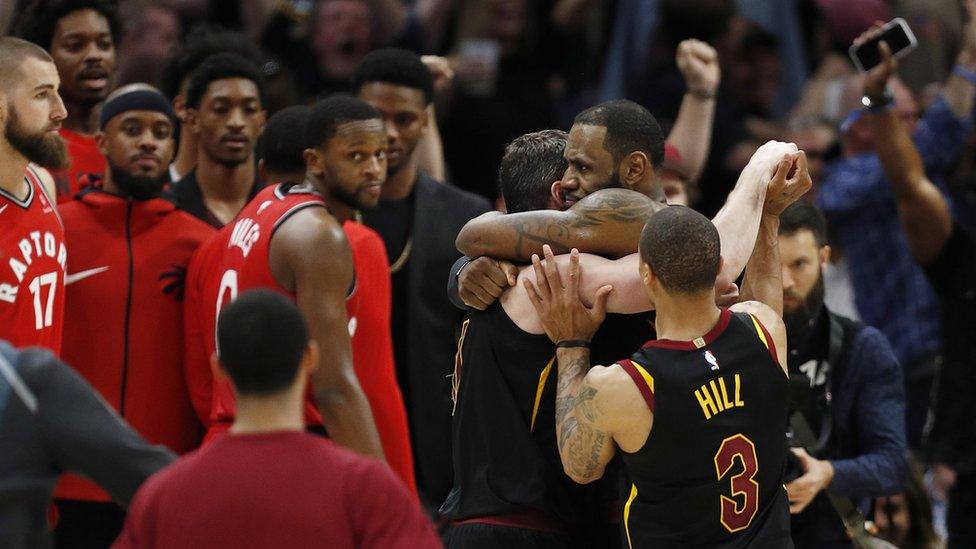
x,y
370,308
234,261
32,263
85,159
124,314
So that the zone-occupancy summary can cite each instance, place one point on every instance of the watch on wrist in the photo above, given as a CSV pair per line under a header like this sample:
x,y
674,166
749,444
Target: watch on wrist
x,y
877,103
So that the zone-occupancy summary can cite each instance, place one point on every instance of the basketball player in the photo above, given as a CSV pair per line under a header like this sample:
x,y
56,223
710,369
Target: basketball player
x,y
709,471
279,152
124,301
289,238
509,488
31,233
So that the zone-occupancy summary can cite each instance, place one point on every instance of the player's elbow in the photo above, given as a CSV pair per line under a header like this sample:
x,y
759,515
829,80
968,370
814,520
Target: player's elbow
x,y
470,241
582,477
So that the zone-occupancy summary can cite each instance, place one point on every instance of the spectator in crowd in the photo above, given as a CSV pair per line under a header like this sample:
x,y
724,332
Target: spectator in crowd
x,y
200,44
268,483
280,152
947,252
129,249
849,390
418,219
81,36
905,519
225,113
52,421
153,32
890,289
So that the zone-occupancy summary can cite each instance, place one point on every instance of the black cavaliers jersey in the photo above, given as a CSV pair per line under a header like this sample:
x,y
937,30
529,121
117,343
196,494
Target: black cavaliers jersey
x,y
505,456
711,471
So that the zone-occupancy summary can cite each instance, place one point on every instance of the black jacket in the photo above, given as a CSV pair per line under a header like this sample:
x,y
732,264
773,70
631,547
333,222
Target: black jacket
x,y
440,211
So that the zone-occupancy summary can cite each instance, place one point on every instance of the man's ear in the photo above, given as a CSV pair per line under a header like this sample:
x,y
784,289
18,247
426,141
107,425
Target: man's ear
x,y
191,120
262,172
218,369
101,143
314,161
556,195
427,116
179,107
824,256
634,168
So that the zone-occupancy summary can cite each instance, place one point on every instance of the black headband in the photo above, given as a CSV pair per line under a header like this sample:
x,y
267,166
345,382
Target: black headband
x,y
137,100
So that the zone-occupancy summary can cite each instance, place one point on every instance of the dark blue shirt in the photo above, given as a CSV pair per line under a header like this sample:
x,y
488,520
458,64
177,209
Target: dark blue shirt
x,y
890,289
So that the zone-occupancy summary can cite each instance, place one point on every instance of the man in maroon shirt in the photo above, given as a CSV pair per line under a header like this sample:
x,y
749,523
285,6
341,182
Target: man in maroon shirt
x,y
268,483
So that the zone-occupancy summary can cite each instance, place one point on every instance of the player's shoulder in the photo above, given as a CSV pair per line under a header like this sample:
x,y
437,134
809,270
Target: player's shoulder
x,y
760,311
613,385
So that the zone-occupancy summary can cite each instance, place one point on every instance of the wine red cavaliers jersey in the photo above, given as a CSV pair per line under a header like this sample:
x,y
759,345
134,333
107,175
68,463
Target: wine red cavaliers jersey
x,y
711,472
124,314
370,309
32,264
234,261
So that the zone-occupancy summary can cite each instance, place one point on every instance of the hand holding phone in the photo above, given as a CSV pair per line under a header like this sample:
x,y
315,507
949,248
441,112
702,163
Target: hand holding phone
x,y
864,52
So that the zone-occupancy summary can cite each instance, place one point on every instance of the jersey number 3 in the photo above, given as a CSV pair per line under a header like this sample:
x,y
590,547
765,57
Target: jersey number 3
x,y
738,513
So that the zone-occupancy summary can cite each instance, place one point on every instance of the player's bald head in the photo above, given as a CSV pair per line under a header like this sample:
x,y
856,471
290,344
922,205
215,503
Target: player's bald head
x,y
683,249
13,53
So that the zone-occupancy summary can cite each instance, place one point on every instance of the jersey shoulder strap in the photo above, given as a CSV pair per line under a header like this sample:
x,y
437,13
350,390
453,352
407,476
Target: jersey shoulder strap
x,y
762,334
642,378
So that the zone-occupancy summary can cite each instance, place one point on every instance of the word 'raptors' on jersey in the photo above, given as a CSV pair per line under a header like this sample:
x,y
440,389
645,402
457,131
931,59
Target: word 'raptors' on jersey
x,y
32,264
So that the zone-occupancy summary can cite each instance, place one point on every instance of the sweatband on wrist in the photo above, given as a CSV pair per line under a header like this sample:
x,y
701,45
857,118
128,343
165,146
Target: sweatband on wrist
x,y
570,343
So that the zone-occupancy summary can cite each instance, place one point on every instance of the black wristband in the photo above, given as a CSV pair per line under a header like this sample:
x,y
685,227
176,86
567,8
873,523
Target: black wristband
x,y
567,343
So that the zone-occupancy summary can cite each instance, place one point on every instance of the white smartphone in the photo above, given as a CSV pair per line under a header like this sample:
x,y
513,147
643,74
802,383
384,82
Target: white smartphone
x,y
896,33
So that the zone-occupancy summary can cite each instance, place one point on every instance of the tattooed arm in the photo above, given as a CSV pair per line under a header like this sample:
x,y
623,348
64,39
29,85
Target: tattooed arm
x,y
606,223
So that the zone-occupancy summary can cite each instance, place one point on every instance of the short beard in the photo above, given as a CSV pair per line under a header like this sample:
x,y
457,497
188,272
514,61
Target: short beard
x,y
47,151
798,320
138,187
349,199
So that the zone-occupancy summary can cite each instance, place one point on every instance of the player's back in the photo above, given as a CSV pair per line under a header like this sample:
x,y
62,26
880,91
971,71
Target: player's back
x,y
506,459
239,257
32,268
711,472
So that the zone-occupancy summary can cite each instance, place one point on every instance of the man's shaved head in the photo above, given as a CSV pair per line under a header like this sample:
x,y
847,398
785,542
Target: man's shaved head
x,y
13,53
683,249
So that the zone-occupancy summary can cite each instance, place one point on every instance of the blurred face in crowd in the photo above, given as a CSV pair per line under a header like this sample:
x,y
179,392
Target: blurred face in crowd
x,y
893,518
32,114
138,146
153,37
860,136
84,53
343,36
404,111
803,287
352,163
675,187
228,121
507,18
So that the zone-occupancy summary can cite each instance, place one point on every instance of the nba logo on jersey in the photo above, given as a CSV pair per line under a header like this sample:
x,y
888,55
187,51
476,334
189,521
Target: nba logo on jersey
x,y
710,358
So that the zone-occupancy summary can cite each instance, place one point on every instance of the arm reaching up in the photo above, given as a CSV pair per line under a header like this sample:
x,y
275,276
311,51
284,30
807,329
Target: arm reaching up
x,y
923,211
692,130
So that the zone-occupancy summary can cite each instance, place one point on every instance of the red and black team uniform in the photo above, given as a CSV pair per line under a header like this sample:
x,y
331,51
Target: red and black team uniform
x,y
370,308
125,315
711,471
85,160
235,260
33,257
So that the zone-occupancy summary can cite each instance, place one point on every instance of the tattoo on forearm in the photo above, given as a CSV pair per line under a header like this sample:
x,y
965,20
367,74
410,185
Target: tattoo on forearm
x,y
580,445
610,210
